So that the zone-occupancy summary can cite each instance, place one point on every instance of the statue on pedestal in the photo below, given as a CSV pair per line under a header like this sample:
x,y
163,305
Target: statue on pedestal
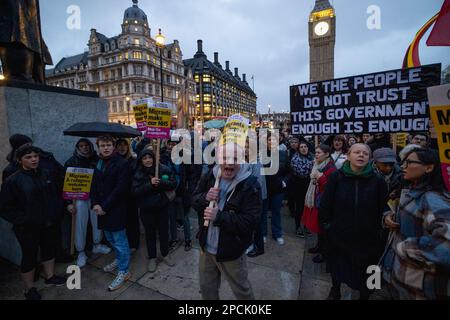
x,y
23,52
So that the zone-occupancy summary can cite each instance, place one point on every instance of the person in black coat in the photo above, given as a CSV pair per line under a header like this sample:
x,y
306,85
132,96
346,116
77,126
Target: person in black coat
x,y
133,228
48,162
108,200
151,194
232,222
31,201
350,212
276,190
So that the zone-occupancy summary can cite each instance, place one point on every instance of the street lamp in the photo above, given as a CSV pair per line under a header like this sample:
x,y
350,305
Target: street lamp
x,y
128,108
160,40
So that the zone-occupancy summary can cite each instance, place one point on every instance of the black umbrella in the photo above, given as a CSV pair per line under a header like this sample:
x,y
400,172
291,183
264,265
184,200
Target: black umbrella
x,y
98,129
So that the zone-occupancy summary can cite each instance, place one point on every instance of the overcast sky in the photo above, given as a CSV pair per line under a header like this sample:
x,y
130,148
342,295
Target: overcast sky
x,y
264,38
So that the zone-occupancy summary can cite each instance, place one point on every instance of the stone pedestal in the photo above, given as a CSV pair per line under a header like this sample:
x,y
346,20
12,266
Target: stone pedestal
x,y
42,113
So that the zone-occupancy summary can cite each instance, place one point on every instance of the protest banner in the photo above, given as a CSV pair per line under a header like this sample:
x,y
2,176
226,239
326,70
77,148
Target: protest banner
x,y
140,112
440,115
235,130
385,102
159,118
77,183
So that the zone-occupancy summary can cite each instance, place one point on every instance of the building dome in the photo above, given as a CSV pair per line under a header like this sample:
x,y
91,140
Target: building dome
x,y
135,13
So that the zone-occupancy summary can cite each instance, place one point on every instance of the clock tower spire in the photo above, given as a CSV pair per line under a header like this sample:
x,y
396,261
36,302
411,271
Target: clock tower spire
x,y
322,39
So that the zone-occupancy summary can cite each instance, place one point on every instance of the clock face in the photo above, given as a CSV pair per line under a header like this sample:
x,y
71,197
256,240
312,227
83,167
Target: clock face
x,y
321,28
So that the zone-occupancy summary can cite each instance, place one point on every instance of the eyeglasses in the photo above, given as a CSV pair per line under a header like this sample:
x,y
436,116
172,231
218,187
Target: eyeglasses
x,y
407,162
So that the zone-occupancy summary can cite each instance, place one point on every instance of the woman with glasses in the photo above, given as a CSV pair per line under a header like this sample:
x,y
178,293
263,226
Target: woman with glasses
x,y
416,265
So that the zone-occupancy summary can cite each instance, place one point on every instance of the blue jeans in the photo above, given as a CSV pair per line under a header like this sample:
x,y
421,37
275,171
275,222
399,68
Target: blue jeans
x,y
275,202
119,242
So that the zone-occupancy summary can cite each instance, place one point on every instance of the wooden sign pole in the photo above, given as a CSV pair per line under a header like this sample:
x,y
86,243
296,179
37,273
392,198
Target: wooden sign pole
x,y
213,203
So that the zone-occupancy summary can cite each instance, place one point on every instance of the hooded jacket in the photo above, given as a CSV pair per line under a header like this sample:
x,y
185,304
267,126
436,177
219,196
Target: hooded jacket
x,y
148,196
237,220
79,161
31,198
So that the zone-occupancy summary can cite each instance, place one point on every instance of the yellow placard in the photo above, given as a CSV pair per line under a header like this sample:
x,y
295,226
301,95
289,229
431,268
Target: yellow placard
x,y
140,112
159,118
441,119
236,131
77,183
401,139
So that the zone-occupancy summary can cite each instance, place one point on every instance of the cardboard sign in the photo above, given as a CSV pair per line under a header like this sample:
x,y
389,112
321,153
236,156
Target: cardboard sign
x,y
401,139
77,183
384,102
140,112
236,130
159,118
440,115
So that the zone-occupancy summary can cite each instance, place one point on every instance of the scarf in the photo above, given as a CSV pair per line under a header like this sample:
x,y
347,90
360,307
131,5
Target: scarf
x,y
103,162
365,173
310,199
227,188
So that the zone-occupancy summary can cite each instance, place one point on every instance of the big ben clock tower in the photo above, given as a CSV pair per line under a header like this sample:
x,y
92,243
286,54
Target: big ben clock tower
x,y
322,39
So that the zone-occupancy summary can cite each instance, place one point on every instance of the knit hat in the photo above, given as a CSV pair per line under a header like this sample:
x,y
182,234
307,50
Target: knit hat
x,y
18,140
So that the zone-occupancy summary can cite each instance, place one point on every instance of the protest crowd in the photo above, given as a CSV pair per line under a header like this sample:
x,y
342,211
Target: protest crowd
x,y
368,204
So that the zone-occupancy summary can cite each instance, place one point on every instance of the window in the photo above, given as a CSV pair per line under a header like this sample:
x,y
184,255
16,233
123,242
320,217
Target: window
x,y
137,55
138,70
139,87
136,41
127,87
168,79
95,76
120,57
206,78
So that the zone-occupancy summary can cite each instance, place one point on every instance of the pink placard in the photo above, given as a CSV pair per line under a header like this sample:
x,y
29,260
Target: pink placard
x,y
157,133
76,195
446,174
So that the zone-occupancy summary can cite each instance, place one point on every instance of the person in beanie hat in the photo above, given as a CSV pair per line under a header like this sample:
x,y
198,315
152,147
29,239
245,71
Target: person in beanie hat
x,y
16,141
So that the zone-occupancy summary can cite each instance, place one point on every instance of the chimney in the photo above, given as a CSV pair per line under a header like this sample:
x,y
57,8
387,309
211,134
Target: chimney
x,y
236,72
227,63
200,53
244,77
216,57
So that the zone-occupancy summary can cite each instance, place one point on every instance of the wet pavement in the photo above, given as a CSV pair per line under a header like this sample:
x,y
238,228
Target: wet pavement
x,y
282,273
